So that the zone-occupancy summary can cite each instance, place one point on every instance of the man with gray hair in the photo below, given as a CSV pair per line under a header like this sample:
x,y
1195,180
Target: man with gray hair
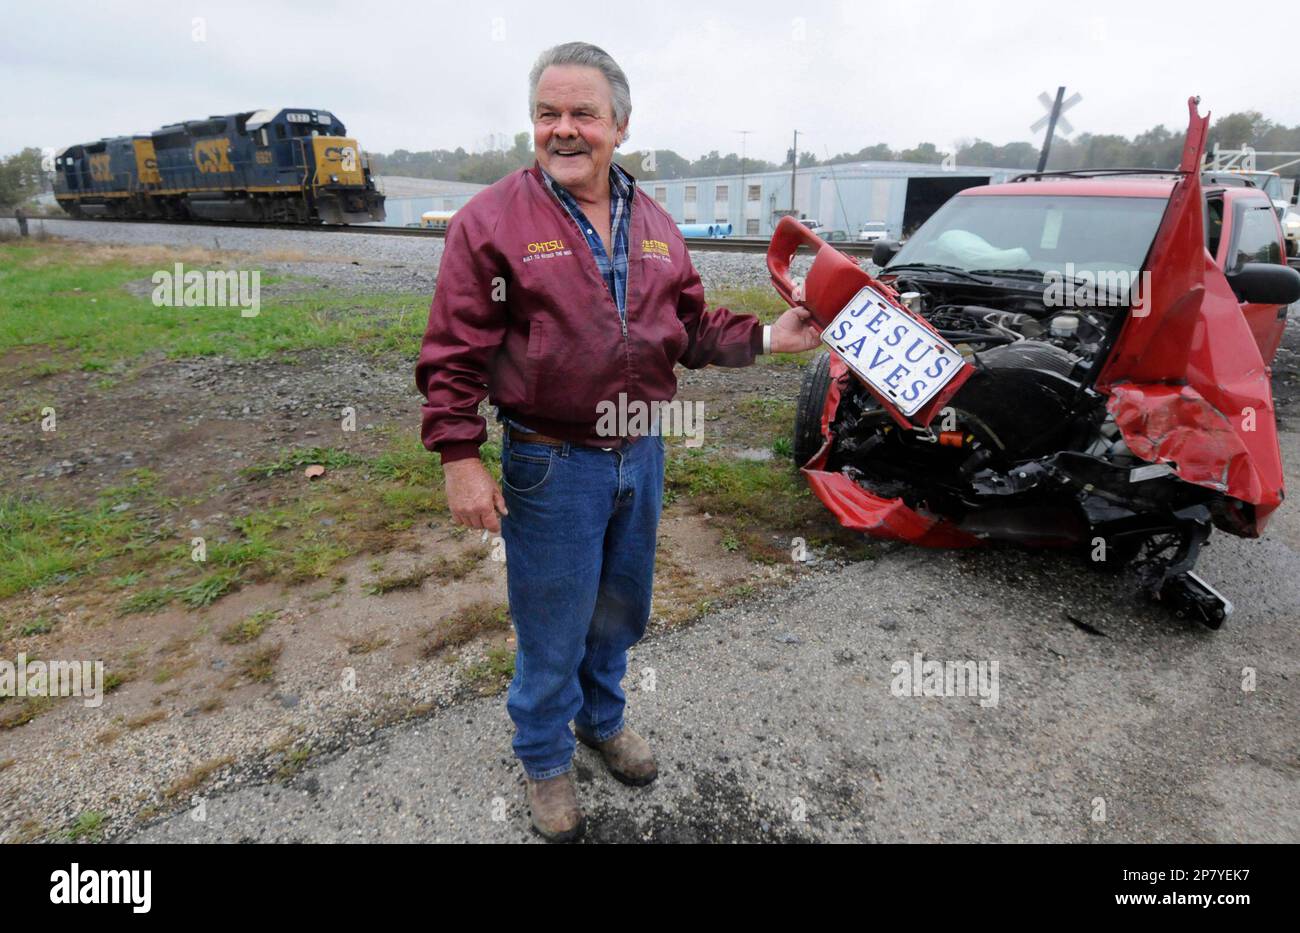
x,y
562,288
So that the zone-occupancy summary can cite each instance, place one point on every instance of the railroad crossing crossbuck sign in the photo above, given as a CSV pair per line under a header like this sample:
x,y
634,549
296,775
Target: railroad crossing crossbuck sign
x,y
1062,125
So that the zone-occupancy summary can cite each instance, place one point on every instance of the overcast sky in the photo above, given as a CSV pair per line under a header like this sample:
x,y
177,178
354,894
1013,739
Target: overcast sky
x,y
440,75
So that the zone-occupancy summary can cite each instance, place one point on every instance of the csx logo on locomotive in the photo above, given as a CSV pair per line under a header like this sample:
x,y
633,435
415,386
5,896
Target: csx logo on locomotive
x,y
212,156
345,155
99,168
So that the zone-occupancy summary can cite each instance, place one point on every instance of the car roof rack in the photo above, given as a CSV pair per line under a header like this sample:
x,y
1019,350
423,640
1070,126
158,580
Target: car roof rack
x,y
1095,172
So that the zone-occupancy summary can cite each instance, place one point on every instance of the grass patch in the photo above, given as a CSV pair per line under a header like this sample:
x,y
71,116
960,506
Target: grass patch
x,y
772,415
761,300
259,666
475,619
74,299
446,570
366,505
146,719
249,629
89,826
169,672
15,712
115,679
197,777
294,760
757,500
42,543
207,591
41,625
410,580
148,600
291,461
367,644
493,672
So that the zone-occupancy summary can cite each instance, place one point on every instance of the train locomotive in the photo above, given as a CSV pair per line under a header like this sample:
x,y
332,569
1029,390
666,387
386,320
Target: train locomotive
x,y
293,165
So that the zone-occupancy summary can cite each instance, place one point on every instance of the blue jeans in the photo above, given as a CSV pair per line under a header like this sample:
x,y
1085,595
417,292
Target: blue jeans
x,y
580,552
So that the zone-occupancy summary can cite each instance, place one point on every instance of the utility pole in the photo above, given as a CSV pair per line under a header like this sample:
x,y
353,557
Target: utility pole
x,y
794,164
1051,129
744,194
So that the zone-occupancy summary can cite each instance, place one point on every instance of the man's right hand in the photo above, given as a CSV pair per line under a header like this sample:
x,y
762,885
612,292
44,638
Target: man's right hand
x,y
472,495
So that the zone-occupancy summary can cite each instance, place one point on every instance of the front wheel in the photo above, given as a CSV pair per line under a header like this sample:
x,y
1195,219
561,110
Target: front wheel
x,y
808,412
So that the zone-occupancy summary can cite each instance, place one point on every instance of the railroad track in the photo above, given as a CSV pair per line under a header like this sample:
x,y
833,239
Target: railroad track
x,y
695,244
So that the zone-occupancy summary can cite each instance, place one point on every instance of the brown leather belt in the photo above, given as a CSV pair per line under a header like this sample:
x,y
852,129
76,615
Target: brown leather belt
x,y
527,437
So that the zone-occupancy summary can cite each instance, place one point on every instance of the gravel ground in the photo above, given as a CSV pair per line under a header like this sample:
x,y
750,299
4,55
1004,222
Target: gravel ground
x,y
774,720
362,261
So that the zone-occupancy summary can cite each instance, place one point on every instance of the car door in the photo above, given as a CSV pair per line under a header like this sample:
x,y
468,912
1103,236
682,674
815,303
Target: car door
x,y
1252,234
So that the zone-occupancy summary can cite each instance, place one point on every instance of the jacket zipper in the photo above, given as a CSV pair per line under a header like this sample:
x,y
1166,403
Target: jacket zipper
x,y
590,257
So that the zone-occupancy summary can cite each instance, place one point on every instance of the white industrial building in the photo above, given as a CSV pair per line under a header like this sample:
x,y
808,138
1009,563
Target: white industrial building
x,y
840,197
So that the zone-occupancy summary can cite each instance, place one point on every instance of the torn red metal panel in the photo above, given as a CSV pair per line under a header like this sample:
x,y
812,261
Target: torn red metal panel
x,y
1187,383
859,510
1175,425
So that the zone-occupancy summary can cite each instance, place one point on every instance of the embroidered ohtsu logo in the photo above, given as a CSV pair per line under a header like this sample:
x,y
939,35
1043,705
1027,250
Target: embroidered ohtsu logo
x,y
547,249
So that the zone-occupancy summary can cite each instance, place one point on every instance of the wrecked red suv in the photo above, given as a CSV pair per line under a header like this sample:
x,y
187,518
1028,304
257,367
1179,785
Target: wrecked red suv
x,y
1072,359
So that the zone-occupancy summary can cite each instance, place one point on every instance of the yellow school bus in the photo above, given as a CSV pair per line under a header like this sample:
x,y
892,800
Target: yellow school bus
x,y
436,220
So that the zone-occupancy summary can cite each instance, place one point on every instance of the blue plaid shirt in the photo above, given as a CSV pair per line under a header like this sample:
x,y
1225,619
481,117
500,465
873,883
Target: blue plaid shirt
x,y
612,269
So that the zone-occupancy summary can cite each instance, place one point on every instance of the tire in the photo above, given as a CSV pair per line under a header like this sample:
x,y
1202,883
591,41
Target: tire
x,y
808,412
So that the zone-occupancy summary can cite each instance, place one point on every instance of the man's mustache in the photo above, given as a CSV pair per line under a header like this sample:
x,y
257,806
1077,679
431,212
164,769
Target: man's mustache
x,y
576,147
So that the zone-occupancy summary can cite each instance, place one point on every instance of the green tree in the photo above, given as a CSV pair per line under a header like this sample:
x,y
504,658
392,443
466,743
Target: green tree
x,y
924,152
21,177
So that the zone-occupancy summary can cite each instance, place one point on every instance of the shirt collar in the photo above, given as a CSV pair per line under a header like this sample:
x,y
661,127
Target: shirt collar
x,y
621,182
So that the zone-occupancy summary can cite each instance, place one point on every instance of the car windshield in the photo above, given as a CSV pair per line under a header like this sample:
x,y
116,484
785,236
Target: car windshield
x,y
1036,233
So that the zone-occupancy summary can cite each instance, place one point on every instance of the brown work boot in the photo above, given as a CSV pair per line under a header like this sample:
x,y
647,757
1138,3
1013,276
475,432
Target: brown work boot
x,y
554,806
627,756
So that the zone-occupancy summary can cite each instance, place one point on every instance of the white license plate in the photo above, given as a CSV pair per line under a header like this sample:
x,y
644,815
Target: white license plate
x,y
901,359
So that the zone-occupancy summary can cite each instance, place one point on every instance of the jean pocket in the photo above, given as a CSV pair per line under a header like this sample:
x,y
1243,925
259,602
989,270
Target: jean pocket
x,y
526,467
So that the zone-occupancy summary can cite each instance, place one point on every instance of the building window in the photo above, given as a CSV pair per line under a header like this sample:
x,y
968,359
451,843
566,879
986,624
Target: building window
x,y
751,227
755,192
661,194
689,218
690,192
720,194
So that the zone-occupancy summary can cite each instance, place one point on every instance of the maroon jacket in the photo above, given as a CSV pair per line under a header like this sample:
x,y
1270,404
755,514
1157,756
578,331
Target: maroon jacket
x,y
521,314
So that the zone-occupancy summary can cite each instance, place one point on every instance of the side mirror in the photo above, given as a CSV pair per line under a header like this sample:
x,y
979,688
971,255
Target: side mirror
x,y
1265,283
884,251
